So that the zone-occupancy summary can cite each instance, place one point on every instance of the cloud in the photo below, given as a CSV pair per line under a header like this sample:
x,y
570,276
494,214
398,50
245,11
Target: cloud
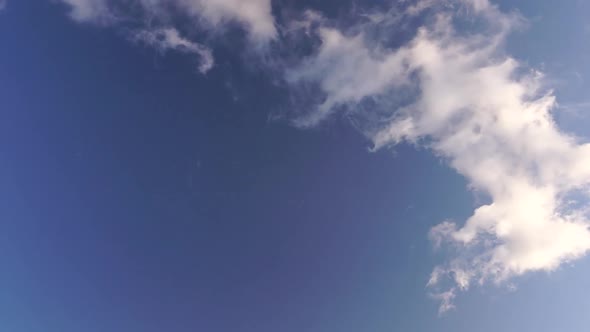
x,y
446,300
254,15
89,11
487,116
169,39
576,109
346,72
156,22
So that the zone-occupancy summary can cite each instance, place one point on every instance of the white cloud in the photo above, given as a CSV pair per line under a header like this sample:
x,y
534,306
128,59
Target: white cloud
x,y
157,20
255,15
2,4
89,11
446,300
348,70
485,114
169,39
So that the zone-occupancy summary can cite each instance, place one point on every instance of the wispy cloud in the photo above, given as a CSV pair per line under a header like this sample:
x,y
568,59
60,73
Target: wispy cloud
x,y
154,22
165,39
446,300
578,109
254,15
90,11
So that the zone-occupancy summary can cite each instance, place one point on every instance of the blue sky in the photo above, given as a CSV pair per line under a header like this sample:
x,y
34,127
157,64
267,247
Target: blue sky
x,y
288,166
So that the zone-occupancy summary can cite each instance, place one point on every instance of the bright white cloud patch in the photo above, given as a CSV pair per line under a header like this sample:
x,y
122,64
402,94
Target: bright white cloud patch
x,y
484,114
169,39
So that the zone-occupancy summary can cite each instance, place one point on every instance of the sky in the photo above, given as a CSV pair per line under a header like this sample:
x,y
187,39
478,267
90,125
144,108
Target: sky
x,y
258,165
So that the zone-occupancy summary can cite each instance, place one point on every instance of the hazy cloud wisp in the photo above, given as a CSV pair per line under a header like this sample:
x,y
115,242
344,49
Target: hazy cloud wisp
x,y
254,15
157,20
169,39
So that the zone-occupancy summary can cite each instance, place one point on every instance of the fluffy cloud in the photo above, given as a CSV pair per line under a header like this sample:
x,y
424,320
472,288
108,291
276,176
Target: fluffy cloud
x,y
169,39
486,115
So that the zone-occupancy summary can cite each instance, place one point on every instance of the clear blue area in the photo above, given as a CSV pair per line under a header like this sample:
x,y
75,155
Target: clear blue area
x,y
137,195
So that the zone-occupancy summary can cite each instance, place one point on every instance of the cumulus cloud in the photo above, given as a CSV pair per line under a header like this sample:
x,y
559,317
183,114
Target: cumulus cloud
x,y
485,114
169,39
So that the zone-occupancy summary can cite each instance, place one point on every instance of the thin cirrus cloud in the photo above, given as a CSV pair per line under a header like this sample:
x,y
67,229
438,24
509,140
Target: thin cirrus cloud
x,y
90,11
254,15
453,91
169,39
158,29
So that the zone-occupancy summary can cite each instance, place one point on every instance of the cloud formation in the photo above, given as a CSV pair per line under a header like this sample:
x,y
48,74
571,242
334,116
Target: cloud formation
x,y
347,71
254,15
486,115
169,39
157,19
90,11
452,90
